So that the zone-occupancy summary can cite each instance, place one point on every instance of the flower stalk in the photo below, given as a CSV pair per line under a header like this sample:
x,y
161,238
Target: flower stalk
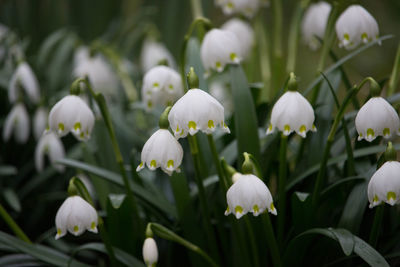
x,y
13,225
281,189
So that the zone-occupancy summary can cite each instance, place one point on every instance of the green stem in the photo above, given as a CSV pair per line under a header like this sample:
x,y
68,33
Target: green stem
x,y
271,240
331,137
253,244
394,77
217,163
281,190
194,149
197,10
278,55
293,38
376,226
13,225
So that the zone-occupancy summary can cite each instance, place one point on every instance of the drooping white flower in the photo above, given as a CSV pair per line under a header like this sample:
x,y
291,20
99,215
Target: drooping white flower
x,y
23,78
75,216
99,72
162,86
154,52
292,112
244,33
150,252
221,92
355,26
220,47
377,118
72,114
40,122
50,144
17,121
161,150
384,185
244,7
249,194
314,23
196,110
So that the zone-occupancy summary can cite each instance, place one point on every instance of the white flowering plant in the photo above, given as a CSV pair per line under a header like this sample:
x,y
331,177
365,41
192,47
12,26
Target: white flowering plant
x,y
200,133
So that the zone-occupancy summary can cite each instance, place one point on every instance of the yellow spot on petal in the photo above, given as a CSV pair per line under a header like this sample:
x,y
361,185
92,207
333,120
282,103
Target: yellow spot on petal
x,y
82,135
155,85
233,56
171,86
361,135
370,132
93,226
364,36
177,128
76,228
302,128
230,5
286,128
61,127
141,164
386,132
391,195
192,125
272,207
59,231
238,209
256,209
182,132
375,199
346,36
227,209
211,124
170,163
153,163
270,127
77,126
218,65
149,104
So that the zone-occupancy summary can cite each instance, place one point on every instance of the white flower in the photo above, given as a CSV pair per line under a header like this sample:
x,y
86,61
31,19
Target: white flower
x,y
72,114
153,53
243,32
161,150
384,185
196,110
355,26
100,75
162,86
50,144
18,121
245,7
40,122
150,252
292,112
75,215
314,23
220,47
23,78
376,118
249,194
221,92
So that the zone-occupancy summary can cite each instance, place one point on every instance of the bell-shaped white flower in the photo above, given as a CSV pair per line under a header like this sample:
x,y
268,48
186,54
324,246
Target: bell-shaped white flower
x,y
150,252
249,194
17,121
100,75
162,86
40,122
220,47
161,150
50,144
292,112
23,78
377,118
72,114
384,185
196,110
154,52
221,92
75,216
243,32
314,23
244,7
355,26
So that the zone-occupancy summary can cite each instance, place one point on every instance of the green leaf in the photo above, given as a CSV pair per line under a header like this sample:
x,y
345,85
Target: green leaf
x,y
246,127
8,170
121,255
349,243
40,252
141,193
48,46
12,199
116,200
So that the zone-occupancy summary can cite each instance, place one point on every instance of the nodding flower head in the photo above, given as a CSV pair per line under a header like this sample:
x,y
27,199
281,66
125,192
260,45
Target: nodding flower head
x,y
150,252
17,121
153,53
50,144
243,32
314,23
23,80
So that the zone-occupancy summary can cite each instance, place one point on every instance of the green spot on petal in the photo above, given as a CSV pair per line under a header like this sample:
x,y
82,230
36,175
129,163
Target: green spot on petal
x,y
153,163
59,231
386,132
391,195
364,36
302,128
93,226
238,209
170,163
233,56
61,127
370,132
171,86
256,209
77,126
155,85
286,128
76,228
346,36
192,125
211,124
375,199
272,207
218,65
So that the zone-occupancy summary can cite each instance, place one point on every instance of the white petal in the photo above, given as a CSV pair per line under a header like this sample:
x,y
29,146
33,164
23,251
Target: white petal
x,y
150,251
152,53
243,32
17,121
25,78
